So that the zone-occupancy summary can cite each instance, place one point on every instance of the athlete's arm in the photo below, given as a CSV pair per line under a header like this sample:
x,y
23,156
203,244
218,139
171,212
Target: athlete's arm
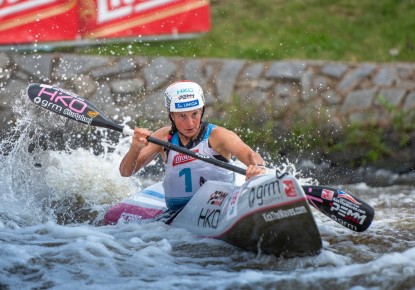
x,y
141,152
227,143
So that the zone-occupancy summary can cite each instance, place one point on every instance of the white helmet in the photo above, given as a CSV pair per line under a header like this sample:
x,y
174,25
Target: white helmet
x,y
184,96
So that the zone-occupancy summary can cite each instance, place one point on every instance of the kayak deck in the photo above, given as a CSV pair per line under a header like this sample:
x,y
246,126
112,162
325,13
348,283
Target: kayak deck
x,y
267,214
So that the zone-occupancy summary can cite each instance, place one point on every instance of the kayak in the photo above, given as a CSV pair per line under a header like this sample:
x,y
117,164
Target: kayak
x,y
252,203
267,214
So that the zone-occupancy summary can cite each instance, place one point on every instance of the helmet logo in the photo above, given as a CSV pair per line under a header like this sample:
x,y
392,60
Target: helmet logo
x,y
184,96
185,90
186,105
189,96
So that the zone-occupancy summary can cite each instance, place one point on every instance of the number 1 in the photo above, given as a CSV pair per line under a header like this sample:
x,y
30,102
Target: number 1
x,y
187,178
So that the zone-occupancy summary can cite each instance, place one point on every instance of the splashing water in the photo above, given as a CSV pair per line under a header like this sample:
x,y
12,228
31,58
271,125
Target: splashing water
x,y
43,162
57,179
46,166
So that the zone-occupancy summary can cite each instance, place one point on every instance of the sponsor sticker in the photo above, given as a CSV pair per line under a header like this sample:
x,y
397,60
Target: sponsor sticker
x,y
185,105
289,188
232,207
63,103
183,158
217,197
185,91
92,114
208,218
350,214
265,194
283,213
327,194
129,217
77,116
188,96
347,196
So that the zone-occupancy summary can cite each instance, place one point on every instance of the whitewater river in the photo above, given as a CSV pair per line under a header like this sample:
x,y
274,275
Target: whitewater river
x,y
52,199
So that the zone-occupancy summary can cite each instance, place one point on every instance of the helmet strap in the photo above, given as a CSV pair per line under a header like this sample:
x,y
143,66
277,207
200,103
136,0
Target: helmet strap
x,y
173,126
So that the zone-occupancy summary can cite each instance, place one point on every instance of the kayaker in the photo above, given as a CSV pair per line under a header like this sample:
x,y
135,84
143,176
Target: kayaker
x,y
184,175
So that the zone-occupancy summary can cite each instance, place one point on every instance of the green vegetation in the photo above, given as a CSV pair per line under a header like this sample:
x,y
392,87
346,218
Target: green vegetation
x,y
343,30
315,135
276,136
346,30
402,121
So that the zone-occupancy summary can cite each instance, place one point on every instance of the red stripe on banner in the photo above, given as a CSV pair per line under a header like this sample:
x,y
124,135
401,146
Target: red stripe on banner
x,y
38,20
172,17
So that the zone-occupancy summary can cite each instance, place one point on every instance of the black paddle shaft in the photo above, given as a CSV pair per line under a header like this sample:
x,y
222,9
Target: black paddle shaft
x,y
338,205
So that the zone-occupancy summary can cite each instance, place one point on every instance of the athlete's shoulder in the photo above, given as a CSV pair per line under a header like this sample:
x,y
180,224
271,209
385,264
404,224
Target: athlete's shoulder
x,y
218,131
220,136
162,133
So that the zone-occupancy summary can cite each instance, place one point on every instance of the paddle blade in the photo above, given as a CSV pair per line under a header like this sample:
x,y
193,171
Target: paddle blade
x,y
69,105
341,207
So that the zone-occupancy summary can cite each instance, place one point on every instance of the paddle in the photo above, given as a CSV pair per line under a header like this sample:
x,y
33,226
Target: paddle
x,y
338,205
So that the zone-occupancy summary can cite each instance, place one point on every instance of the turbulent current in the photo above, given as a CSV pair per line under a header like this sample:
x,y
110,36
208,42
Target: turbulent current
x,y
54,193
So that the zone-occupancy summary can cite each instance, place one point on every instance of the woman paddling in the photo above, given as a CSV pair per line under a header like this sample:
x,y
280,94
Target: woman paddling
x,y
184,175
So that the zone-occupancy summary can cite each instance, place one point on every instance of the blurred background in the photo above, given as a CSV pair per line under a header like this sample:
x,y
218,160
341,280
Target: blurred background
x,y
323,88
356,56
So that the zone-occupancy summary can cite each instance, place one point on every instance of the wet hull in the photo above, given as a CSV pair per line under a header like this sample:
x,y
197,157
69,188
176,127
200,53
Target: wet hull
x,y
266,214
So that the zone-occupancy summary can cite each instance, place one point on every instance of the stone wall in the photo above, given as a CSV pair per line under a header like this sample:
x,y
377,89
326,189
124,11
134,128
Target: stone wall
x,y
280,90
133,86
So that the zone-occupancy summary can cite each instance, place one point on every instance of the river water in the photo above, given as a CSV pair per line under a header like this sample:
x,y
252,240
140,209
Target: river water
x,y
53,196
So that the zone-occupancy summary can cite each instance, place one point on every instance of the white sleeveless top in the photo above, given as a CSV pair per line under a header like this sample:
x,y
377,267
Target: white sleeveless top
x,y
184,175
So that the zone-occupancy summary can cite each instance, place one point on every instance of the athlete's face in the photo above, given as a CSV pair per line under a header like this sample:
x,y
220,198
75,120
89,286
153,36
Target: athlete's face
x,y
187,123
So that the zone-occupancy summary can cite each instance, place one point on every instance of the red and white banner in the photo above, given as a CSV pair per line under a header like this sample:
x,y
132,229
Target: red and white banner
x,y
117,18
28,21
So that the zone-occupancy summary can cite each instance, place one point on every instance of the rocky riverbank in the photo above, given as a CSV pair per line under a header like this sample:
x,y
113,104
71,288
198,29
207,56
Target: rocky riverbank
x,y
340,115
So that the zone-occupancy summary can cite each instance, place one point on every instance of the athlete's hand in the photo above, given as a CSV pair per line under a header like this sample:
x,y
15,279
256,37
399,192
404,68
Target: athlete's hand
x,y
140,138
254,170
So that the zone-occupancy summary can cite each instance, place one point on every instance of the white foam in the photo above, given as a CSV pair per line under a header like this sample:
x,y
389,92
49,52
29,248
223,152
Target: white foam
x,y
36,252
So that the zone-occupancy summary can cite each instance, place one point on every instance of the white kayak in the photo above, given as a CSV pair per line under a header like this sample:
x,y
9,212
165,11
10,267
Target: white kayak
x,y
269,214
